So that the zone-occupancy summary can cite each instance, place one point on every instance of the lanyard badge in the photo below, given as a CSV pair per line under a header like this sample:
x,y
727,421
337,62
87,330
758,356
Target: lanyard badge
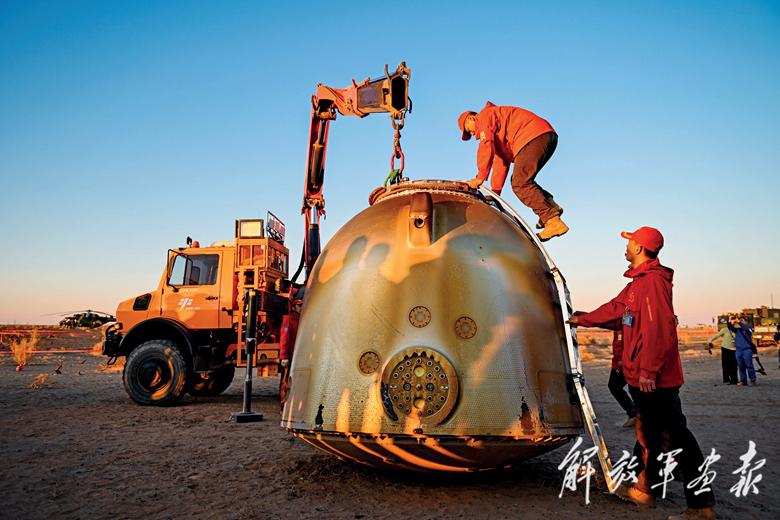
x,y
628,319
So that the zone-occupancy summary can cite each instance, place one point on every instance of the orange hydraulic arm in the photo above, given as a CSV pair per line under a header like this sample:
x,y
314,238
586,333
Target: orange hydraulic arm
x,y
387,94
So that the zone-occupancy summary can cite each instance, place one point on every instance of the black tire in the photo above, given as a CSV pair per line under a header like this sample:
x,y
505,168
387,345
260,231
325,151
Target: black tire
x,y
218,381
156,373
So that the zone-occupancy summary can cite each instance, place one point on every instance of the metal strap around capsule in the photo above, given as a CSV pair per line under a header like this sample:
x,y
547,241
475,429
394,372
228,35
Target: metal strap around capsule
x,y
575,364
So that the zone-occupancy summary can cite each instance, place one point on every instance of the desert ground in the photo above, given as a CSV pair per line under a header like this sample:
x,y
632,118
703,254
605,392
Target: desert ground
x,y
73,445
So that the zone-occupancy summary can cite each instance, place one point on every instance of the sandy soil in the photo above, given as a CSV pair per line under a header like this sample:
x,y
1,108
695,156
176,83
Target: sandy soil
x,y
77,447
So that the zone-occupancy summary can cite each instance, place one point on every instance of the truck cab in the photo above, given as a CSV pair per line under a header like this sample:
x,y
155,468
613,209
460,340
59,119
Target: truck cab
x,y
195,289
187,335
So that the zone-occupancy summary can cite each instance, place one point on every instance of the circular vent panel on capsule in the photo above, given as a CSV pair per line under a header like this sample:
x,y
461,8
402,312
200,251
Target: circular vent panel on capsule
x,y
419,383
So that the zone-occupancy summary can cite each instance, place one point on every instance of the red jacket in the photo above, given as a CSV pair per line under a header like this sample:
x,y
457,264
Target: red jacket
x,y
650,342
289,333
502,132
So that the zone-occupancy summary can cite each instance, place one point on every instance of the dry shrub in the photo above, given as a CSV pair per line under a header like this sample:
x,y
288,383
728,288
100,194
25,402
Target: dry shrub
x,y
40,381
23,348
586,356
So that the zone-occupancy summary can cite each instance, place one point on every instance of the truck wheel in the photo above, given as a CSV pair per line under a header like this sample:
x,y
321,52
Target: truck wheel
x,y
156,373
218,381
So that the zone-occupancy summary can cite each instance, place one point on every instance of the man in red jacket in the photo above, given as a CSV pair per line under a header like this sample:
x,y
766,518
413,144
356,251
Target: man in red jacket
x,y
652,368
509,135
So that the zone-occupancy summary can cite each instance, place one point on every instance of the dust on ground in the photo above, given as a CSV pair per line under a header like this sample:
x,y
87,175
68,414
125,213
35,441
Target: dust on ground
x,y
77,447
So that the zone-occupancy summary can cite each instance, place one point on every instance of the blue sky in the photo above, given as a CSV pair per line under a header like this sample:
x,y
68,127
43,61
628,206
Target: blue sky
x,y
126,126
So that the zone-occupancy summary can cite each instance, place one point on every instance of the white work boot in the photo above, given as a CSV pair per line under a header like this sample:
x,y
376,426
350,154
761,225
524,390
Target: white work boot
x,y
554,227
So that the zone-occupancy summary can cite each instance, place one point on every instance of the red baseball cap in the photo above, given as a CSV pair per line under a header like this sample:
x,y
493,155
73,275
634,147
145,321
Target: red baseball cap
x,y
647,237
462,122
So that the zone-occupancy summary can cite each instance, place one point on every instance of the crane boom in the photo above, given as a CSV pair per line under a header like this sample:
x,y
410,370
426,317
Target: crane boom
x,y
388,94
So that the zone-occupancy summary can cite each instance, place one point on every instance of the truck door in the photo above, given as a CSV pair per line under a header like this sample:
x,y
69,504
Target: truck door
x,y
192,294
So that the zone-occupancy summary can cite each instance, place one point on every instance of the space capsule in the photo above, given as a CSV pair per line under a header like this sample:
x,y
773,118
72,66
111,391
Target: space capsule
x,y
433,337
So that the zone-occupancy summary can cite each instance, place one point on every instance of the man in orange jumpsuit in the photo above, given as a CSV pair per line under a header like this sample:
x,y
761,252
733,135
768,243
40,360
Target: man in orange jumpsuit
x,y
508,135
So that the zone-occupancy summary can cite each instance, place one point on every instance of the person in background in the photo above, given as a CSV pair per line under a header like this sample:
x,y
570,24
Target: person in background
x,y
743,341
728,354
287,343
617,382
777,341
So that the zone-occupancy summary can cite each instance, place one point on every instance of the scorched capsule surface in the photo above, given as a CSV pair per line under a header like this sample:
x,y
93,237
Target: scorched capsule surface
x,y
432,338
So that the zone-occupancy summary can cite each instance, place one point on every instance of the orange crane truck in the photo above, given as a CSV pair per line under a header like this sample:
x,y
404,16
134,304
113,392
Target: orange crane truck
x,y
187,335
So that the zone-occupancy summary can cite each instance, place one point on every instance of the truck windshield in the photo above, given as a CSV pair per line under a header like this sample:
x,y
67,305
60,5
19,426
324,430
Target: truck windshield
x,y
194,270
